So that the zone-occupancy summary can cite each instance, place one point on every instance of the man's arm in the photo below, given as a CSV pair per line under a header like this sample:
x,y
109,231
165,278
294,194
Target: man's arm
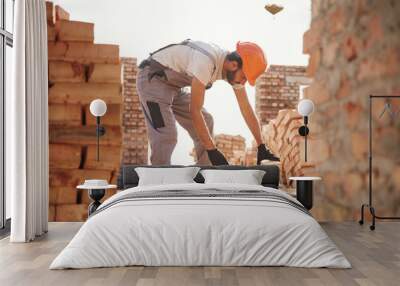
x,y
251,120
248,114
196,104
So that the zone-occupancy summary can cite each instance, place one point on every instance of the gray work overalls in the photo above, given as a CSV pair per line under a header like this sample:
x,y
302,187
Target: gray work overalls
x,y
163,101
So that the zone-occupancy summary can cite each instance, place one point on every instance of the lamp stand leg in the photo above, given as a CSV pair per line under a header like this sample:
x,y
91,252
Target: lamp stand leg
x,y
305,146
98,136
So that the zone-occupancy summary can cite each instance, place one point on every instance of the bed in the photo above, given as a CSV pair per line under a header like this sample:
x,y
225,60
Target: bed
x,y
201,224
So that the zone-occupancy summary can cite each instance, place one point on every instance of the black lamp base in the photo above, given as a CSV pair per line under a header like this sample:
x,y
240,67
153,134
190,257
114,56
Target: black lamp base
x,y
304,193
96,195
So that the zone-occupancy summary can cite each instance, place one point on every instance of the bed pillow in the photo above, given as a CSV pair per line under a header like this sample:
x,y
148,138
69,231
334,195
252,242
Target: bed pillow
x,y
163,176
248,177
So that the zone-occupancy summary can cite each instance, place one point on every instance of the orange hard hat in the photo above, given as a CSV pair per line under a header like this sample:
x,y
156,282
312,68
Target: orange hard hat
x,y
253,58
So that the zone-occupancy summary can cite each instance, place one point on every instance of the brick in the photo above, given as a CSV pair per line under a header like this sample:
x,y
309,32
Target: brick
x,y
354,114
352,183
67,177
61,14
75,31
344,88
312,37
359,145
317,92
83,52
386,141
84,93
318,150
396,176
51,33
72,212
63,195
85,135
49,12
314,62
351,47
383,64
110,158
65,156
66,72
336,20
52,213
315,8
111,118
65,114
105,73
330,54
375,31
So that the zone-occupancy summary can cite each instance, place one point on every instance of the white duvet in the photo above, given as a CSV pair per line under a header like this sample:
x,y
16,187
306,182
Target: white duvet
x,y
190,231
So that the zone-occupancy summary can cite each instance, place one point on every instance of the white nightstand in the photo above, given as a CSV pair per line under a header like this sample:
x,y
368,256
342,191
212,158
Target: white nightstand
x,y
304,190
96,190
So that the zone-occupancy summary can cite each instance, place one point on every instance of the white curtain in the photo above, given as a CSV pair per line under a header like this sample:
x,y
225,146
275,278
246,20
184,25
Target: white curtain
x,y
27,124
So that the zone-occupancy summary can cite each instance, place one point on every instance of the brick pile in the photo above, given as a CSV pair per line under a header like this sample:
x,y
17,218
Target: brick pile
x,y
134,135
282,137
278,88
80,71
232,146
354,52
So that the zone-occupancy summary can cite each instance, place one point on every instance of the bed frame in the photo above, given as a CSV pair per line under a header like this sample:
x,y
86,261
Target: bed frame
x,y
129,178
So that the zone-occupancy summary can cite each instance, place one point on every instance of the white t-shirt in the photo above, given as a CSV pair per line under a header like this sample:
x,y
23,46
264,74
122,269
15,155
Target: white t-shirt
x,y
185,59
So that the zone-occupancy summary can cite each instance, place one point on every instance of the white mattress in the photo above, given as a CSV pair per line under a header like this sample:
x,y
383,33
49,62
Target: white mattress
x,y
189,231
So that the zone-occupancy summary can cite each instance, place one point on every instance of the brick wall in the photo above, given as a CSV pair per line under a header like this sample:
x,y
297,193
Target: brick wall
x,y
278,88
134,139
354,51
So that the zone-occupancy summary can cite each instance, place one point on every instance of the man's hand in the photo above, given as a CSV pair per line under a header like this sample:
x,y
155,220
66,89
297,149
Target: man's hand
x,y
216,157
196,104
264,154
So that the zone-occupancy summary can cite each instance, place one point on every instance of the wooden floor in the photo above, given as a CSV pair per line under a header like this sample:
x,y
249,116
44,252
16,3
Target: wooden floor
x,y
375,257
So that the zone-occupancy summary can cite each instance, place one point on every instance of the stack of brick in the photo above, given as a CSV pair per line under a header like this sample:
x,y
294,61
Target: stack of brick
x,y
134,135
80,71
354,52
278,88
282,137
232,146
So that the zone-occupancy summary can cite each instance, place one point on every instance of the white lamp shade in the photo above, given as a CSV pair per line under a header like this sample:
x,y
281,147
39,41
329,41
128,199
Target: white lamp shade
x,y
98,107
305,107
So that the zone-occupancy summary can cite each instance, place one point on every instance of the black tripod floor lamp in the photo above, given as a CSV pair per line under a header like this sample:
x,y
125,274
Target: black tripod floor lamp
x,y
370,153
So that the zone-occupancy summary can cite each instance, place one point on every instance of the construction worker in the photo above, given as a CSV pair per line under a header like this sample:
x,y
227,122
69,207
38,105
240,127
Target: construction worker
x,y
160,83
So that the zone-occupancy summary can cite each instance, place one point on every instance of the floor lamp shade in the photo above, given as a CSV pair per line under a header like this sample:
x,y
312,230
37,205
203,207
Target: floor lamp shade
x,y
98,107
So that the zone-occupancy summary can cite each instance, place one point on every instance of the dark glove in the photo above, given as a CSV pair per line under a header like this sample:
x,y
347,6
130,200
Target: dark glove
x,y
264,154
216,157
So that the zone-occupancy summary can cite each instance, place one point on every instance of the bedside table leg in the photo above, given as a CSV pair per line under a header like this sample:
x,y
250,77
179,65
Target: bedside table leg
x,y
96,195
304,193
